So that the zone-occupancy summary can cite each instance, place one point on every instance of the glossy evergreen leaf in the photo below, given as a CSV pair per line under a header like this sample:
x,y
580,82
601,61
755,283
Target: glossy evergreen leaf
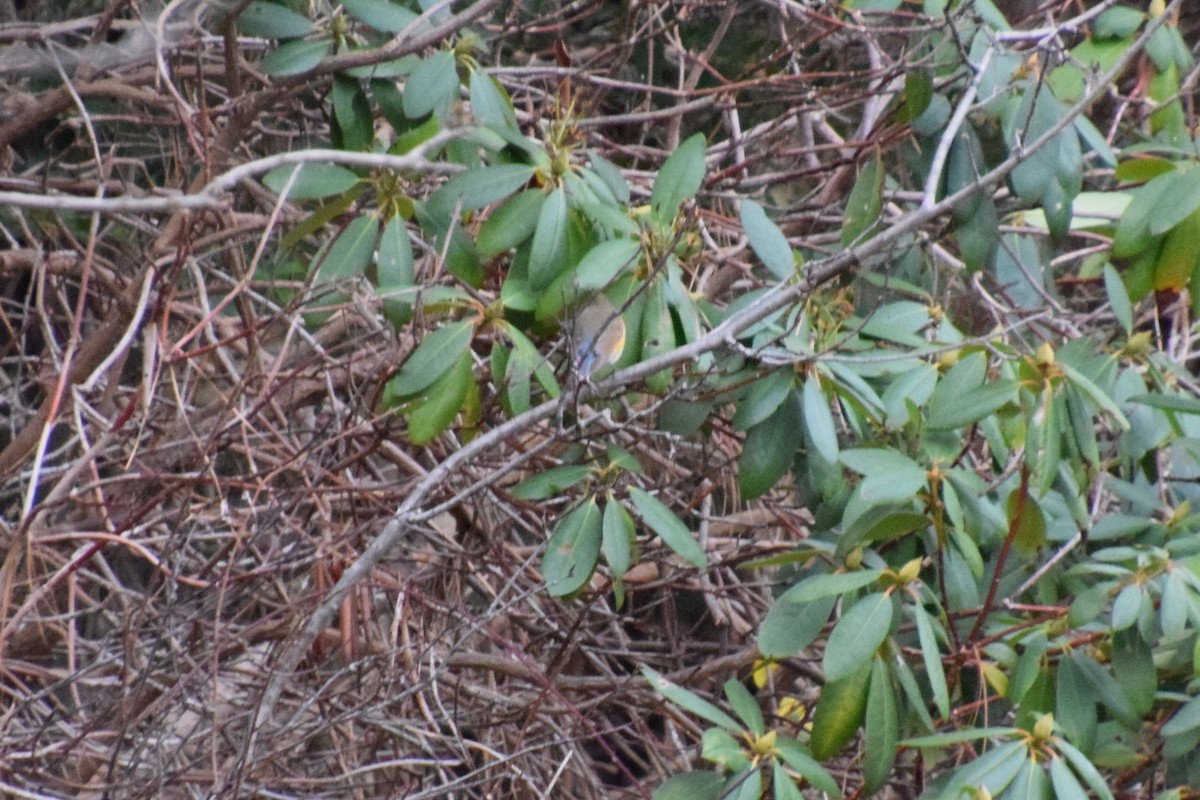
x,y
689,701
547,257
1133,667
798,757
312,180
840,710
763,398
573,550
857,635
818,421
350,252
881,728
355,128
617,544
669,527
767,241
394,271
1066,785
790,626
478,188
295,57
513,222
551,483
601,265
679,179
745,706
1030,783
1118,298
888,476
381,15
691,786
441,403
931,656
273,21
865,202
432,357
782,784
1030,526
770,448
1084,769
1186,718
947,411
432,86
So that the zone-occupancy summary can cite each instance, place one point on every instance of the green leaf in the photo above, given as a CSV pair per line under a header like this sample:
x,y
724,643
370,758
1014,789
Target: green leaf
x,y
790,626
691,786
479,188
431,358
617,545
767,241
882,729
272,21
993,771
432,86
548,253
355,127
932,658
1119,298
380,14
490,103
350,252
889,476
764,396
511,223
1084,768
295,57
1031,526
669,527
797,756
918,92
680,178
818,421
1169,214
943,740
718,746
947,411
394,270
1066,785
1133,667
1030,783
745,706
601,265
690,702
1117,23
441,404
1075,703
551,483
865,202
782,783
858,635
1126,607
1094,393
1168,402
830,585
573,550
840,710
1185,719
313,180
770,448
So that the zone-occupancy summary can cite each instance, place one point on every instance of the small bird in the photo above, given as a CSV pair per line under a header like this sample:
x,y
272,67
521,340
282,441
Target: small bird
x,y
599,335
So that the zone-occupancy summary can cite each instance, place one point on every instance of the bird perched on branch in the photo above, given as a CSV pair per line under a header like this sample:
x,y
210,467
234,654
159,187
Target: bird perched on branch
x,y
599,335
